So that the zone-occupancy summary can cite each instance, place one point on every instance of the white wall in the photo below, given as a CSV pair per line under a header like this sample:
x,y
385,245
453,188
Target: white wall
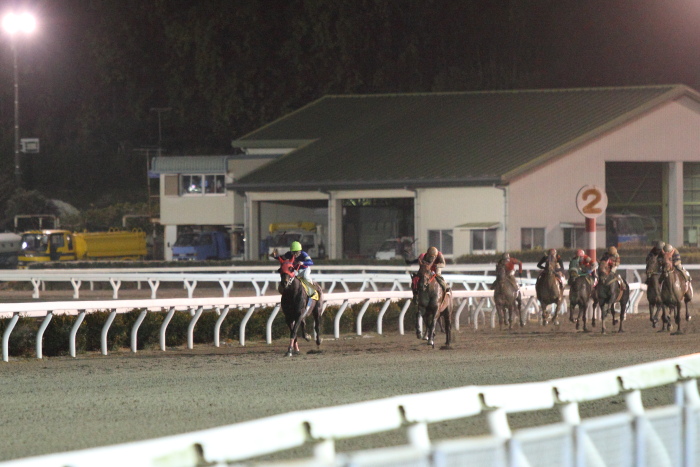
x,y
447,208
546,196
197,210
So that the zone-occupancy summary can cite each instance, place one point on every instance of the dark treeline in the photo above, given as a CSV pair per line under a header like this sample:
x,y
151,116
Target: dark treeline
x,y
95,69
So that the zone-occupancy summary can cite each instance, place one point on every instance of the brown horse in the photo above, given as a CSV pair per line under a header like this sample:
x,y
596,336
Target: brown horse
x,y
581,293
653,283
433,303
296,305
675,289
610,291
549,291
506,298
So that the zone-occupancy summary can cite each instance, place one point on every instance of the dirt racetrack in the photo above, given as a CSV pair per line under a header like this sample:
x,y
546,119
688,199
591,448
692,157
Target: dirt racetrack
x,y
60,404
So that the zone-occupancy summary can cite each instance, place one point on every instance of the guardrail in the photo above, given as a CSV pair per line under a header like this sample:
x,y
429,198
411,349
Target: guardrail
x,y
361,277
662,436
477,301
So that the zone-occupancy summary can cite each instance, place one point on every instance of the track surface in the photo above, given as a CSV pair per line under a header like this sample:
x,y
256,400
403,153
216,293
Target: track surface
x,y
61,404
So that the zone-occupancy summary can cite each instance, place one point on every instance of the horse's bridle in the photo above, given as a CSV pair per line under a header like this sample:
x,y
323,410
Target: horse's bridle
x,y
286,268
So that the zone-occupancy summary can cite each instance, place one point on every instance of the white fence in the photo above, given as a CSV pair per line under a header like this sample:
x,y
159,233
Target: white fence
x,y
261,277
662,436
477,302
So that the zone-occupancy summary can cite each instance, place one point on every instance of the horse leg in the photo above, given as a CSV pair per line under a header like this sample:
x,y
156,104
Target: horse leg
x,y
677,318
317,324
307,336
419,317
603,315
544,313
447,315
557,308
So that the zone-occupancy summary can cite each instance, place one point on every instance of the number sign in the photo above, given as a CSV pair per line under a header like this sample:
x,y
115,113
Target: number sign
x,y
591,201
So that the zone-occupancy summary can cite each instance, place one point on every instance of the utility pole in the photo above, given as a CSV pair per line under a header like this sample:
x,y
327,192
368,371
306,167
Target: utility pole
x,y
159,111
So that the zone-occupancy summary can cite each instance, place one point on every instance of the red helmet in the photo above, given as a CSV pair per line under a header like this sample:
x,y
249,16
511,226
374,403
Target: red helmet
x,y
552,252
580,253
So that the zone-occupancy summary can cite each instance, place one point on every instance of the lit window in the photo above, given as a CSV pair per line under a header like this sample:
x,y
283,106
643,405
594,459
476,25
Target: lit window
x,y
202,184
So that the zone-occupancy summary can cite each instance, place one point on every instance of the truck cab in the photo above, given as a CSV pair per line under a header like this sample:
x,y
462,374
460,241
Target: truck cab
x,y
46,245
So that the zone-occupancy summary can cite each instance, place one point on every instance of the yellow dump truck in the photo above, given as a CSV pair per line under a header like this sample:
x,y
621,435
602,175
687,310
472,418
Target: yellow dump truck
x,y
64,245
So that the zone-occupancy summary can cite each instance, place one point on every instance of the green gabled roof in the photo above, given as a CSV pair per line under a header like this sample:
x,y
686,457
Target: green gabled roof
x,y
439,139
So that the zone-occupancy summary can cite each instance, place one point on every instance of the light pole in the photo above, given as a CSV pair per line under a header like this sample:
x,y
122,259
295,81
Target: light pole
x,y
14,24
160,110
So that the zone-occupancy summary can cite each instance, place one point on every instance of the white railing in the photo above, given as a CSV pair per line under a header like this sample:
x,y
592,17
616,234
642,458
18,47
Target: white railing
x,y
477,302
661,436
262,277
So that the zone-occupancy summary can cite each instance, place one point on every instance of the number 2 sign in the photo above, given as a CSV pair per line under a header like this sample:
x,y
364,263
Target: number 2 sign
x,y
591,201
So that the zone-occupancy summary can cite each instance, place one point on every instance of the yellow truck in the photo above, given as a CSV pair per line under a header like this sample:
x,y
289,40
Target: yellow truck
x,y
64,245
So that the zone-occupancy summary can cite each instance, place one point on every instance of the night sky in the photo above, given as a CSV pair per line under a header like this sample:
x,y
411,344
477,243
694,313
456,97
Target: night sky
x,y
94,70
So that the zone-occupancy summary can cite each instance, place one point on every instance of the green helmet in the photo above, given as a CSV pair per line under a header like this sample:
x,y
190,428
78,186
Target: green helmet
x,y
296,246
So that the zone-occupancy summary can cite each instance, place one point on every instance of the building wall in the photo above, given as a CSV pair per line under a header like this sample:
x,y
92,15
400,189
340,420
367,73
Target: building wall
x,y
447,208
546,196
197,210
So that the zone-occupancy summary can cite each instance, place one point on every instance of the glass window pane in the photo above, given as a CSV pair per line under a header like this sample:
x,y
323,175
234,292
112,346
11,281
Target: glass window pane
x,y
209,184
434,238
447,242
538,238
490,239
477,239
526,239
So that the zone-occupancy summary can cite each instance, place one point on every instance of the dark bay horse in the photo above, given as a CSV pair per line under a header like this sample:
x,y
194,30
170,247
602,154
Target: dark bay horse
x,y
549,291
653,293
609,292
433,303
581,293
506,298
296,305
675,289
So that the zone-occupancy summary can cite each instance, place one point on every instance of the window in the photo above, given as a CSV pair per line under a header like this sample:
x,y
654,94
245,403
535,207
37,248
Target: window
x,y
574,237
202,184
442,240
484,241
531,238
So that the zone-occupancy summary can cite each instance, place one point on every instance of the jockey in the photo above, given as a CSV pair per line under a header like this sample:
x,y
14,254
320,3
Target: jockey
x,y
675,257
575,265
558,267
613,259
509,264
301,260
438,262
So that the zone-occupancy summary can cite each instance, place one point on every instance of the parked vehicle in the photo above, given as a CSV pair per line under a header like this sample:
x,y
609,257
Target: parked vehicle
x,y
395,248
201,246
64,245
10,246
309,234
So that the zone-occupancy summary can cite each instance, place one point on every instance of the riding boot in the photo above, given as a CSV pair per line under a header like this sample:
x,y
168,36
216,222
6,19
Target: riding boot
x,y
441,281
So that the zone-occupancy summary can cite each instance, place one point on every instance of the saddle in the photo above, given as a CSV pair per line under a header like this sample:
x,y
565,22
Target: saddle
x,y
311,291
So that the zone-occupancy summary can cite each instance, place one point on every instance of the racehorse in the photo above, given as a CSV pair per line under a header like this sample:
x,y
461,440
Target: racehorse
x,y
675,288
296,305
433,303
506,297
653,283
580,293
610,291
549,291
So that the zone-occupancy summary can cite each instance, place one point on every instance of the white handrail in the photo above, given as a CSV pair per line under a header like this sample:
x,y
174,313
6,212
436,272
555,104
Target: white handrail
x,y
260,277
42,309
414,412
